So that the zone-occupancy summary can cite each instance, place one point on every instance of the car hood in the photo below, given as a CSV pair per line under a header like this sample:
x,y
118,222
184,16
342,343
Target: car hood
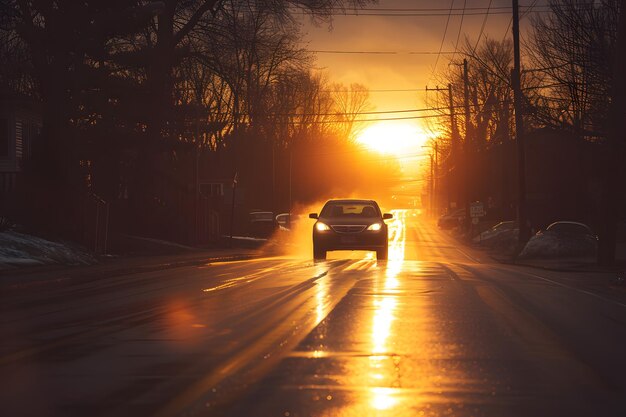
x,y
365,221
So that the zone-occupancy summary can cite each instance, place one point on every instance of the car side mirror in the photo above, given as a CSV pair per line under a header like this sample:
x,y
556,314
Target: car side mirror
x,y
387,216
312,215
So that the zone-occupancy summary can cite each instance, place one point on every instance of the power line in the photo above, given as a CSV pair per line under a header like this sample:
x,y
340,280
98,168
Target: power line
x,y
466,11
506,32
458,35
529,9
327,51
375,112
424,9
445,32
482,29
399,90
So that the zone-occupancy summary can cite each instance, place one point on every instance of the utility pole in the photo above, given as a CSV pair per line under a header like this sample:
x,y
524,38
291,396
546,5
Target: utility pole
x,y
437,184
432,185
467,148
454,151
232,209
453,130
454,144
524,227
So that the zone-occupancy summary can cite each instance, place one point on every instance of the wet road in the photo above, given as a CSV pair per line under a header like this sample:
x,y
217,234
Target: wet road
x,y
437,330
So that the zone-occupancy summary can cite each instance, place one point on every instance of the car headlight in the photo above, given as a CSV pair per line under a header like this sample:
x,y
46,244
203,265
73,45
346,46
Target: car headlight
x,y
321,227
375,227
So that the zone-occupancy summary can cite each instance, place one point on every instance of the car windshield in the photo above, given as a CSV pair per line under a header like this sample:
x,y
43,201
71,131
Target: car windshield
x,y
570,228
349,210
262,216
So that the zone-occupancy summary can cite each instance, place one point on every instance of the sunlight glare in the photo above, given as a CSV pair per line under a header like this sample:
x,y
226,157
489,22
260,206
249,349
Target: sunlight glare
x,y
397,139
383,398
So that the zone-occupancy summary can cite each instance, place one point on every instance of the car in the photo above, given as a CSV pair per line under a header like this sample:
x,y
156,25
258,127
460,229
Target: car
x,y
508,227
288,221
452,219
570,229
562,239
262,223
350,224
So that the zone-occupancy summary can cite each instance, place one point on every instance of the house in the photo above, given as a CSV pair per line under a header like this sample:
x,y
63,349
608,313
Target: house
x,y
20,127
214,211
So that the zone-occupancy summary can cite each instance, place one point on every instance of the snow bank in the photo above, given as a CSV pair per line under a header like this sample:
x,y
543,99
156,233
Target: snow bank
x,y
552,245
18,249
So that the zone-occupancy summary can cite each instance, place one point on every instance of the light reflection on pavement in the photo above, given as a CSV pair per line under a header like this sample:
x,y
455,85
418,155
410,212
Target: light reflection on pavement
x,y
372,355
429,332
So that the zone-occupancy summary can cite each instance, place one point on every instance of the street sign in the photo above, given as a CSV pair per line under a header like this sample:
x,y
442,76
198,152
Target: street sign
x,y
477,209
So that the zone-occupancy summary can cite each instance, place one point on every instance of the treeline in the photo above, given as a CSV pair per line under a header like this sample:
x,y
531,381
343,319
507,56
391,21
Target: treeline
x,y
141,99
571,85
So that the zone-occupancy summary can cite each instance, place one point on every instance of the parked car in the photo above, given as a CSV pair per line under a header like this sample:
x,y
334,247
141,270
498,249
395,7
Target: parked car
x,y
287,221
350,225
562,239
451,219
262,224
493,233
571,229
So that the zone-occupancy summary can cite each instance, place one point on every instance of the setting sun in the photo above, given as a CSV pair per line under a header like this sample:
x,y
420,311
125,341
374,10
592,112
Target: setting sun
x,y
394,138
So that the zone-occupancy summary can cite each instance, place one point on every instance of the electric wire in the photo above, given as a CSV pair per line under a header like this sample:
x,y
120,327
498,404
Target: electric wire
x,y
482,28
458,35
443,39
328,51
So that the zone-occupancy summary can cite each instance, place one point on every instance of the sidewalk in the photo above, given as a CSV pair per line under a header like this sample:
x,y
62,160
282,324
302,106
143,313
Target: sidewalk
x,y
21,278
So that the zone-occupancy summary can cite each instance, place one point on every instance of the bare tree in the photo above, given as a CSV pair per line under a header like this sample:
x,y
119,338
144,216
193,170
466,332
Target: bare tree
x,y
573,48
350,103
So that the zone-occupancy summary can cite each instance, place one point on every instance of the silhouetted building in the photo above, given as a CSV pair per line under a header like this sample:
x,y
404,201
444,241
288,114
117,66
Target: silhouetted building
x,y
20,127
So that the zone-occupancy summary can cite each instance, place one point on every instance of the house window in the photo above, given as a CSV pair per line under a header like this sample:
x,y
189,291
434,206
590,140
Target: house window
x,y
19,140
4,138
213,189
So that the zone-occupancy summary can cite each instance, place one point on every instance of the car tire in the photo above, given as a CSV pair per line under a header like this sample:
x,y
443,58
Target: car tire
x,y
319,253
382,254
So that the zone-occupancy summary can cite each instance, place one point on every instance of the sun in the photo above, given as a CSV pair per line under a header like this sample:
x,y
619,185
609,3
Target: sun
x,y
398,139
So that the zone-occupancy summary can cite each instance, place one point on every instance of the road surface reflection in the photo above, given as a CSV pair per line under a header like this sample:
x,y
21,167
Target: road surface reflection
x,y
384,398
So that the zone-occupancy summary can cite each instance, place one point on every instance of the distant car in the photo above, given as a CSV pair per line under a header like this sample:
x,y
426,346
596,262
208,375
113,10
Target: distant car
x,y
262,223
452,219
350,225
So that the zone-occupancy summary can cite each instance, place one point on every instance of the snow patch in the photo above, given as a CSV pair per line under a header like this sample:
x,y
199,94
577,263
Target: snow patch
x,y
18,249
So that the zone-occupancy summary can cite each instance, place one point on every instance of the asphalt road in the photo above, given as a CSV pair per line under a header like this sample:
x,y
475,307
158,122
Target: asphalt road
x,y
438,330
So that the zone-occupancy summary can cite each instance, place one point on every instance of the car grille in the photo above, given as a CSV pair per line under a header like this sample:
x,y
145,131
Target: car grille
x,y
348,228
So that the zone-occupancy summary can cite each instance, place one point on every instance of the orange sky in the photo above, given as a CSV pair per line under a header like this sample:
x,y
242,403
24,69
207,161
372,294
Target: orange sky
x,y
403,70
401,34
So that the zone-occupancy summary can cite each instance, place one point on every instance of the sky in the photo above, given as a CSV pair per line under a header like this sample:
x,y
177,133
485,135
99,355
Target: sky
x,y
399,36
396,45
400,45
